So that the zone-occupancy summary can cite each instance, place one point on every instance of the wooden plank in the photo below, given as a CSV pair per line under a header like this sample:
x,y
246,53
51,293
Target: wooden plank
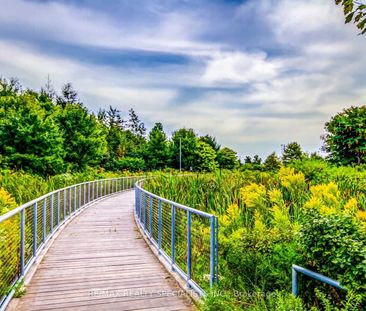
x,y
100,262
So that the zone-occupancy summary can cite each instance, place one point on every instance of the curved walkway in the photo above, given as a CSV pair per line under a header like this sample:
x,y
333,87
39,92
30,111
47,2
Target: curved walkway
x,y
101,262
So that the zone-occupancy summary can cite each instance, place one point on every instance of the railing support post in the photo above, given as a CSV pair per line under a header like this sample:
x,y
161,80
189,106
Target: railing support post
x,y
51,213
75,199
188,246
58,208
159,226
173,237
79,198
150,215
65,216
22,238
44,220
212,251
295,290
35,218
145,209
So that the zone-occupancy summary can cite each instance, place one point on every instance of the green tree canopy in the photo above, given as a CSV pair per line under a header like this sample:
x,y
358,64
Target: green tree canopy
x,y
157,148
227,158
205,158
29,137
345,138
272,162
85,139
211,141
189,148
292,152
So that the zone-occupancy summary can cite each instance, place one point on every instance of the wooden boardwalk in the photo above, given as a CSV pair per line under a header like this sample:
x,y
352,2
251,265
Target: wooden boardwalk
x,y
100,262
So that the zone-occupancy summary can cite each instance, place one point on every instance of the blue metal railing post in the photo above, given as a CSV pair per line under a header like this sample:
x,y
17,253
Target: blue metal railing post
x,y
69,201
317,276
159,226
65,205
51,213
58,208
35,221
74,199
44,220
93,190
22,240
79,198
150,215
295,290
173,238
212,250
140,207
189,245
145,209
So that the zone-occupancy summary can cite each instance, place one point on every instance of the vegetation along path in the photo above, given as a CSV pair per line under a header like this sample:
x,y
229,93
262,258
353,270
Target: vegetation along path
x,y
100,262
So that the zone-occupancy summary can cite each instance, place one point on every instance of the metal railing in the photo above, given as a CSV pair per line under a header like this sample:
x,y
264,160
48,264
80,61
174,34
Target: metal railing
x,y
25,231
186,238
317,276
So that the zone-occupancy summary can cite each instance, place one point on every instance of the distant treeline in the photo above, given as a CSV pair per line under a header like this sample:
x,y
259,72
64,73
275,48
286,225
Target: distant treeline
x,y
48,133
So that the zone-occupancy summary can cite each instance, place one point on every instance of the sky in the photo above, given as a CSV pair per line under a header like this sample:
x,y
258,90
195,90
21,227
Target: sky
x,y
255,74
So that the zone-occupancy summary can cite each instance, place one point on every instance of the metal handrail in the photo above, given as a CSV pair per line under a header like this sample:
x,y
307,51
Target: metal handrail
x,y
38,221
143,211
317,276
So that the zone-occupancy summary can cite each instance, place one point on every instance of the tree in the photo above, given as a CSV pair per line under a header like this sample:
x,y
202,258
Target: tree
x,y
227,158
157,148
135,125
30,139
257,160
48,91
69,96
211,141
291,152
345,138
189,143
248,160
205,158
272,163
354,11
10,87
85,138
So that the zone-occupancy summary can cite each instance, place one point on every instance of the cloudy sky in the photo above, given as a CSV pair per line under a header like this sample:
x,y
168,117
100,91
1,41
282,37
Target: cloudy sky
x,y
256,74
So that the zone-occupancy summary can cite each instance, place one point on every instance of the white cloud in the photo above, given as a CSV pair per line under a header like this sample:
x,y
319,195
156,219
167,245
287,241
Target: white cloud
x,y
239,67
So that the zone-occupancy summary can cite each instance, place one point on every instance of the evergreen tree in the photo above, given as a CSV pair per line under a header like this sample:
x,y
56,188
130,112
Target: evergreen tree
x,y
157,149
272,163
135,125
291,152
69,96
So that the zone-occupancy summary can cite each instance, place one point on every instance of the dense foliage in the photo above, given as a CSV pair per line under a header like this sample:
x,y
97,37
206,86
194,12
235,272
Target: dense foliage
x,y
310,213
47,134
345,140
